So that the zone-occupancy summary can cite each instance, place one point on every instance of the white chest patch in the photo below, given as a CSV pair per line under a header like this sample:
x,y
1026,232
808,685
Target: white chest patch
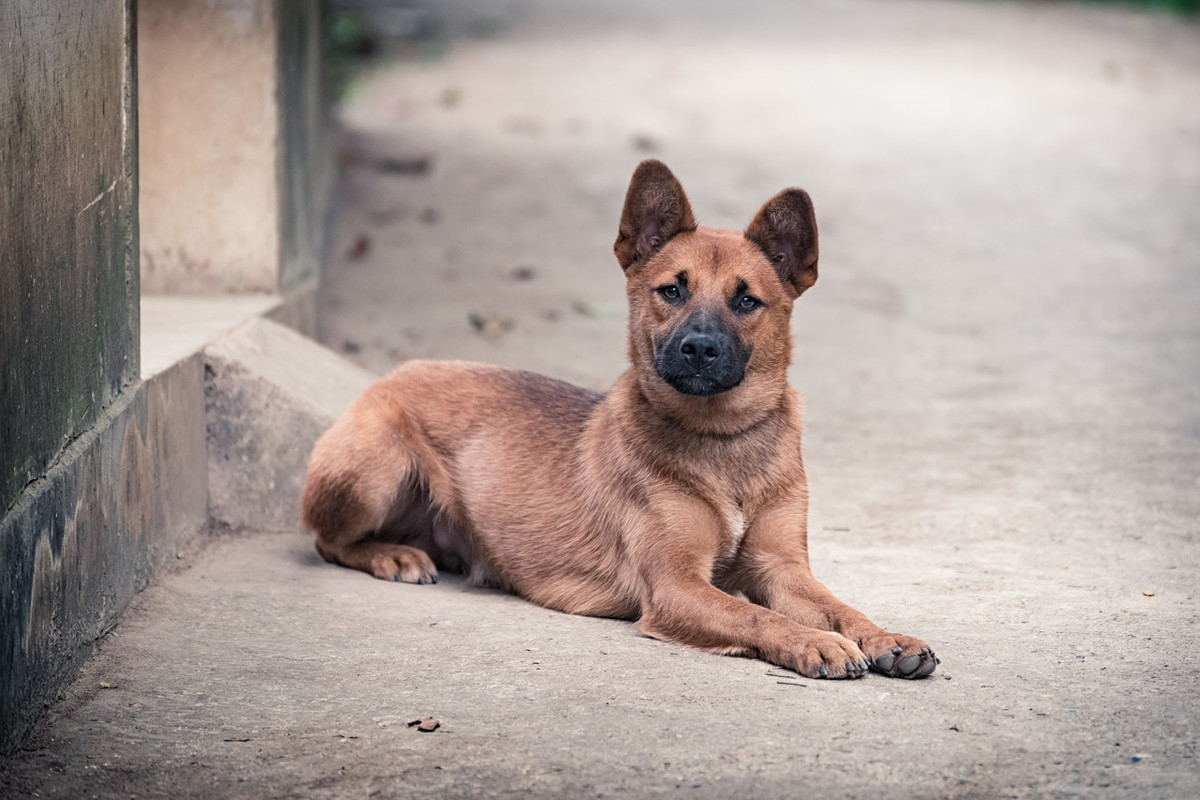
x,y
735,521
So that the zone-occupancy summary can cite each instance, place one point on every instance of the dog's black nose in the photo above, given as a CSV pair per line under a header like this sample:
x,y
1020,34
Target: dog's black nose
x,y
699,350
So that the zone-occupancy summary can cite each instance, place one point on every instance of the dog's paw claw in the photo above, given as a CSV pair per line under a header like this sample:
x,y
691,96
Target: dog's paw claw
x,y
910,659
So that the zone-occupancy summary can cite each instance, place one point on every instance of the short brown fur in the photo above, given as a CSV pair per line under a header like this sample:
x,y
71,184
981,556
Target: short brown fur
x,y
651,502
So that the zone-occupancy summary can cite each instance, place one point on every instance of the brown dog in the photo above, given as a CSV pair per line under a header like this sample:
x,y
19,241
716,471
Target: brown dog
x,y
660,501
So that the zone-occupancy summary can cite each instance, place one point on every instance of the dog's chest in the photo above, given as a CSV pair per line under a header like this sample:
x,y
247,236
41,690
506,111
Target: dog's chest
x,y
735,530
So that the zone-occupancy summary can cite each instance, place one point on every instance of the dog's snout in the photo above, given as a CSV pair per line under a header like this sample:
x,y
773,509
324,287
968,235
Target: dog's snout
x,y
699,350
702,358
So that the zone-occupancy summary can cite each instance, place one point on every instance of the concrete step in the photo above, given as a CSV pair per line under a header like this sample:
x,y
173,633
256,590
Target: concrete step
x,y
269,392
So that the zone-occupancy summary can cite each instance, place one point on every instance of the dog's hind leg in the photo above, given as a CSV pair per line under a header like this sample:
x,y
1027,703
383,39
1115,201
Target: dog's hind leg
x,y
347,525
361,478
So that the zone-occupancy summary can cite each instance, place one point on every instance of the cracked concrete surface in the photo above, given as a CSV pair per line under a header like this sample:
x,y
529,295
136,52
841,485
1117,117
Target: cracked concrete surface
x,y
1001,367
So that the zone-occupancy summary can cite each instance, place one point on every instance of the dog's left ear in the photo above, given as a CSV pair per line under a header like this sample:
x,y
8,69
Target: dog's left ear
x,y
785,229
655,210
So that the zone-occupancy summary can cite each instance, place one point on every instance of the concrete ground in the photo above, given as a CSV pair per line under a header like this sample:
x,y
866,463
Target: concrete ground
x,y
1002,367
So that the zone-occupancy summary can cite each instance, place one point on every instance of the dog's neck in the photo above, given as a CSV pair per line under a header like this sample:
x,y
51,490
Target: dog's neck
x,y
742,455
737,412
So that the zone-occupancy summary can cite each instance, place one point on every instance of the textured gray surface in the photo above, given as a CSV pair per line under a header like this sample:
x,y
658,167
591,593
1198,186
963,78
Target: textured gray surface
x,y
261,671
269,392
124,498
68,228
1003,405
69,349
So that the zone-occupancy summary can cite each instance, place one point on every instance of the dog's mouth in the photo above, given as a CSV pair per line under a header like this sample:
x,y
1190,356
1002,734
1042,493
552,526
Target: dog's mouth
x,y
699,385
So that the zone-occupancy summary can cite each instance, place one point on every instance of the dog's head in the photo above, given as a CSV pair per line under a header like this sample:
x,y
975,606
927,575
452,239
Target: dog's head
x,y
710,309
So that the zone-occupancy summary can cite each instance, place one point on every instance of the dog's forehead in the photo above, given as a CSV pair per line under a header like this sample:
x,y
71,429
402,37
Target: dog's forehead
x,y
716,255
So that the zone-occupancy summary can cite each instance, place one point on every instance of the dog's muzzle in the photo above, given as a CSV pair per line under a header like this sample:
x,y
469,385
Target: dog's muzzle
x,y
702,358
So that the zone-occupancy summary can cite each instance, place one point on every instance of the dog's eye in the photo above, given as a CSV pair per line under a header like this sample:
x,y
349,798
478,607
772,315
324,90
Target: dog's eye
x,y
748,303
669,292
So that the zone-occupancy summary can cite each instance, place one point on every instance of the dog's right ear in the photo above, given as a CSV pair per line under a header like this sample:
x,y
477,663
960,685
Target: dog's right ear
x,y
655,210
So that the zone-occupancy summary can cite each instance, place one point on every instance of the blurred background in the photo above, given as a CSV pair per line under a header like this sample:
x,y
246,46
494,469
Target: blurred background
x,y
973,164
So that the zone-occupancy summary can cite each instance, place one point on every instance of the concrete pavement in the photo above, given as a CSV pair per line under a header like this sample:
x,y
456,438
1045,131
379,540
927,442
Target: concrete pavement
x,y
1001,367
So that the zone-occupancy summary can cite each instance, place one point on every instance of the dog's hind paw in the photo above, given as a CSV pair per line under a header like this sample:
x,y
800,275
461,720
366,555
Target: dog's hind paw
x,y
403,564
900,656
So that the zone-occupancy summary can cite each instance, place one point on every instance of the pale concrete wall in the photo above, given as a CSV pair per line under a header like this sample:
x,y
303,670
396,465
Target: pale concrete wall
x,y
68,226
232,177
209,207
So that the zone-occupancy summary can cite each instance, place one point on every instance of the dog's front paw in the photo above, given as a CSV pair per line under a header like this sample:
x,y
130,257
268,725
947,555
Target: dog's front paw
x,y
899,656
831,656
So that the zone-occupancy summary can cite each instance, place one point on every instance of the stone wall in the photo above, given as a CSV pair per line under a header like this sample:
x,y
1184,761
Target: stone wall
x,y
305,164
76,485
68,226
117,505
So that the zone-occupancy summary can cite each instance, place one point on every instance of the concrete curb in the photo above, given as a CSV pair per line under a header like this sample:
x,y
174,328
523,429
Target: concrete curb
x,y
269,393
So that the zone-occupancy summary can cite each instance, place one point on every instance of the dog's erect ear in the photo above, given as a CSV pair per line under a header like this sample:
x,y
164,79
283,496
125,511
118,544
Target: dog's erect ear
x,y
655,210
785,229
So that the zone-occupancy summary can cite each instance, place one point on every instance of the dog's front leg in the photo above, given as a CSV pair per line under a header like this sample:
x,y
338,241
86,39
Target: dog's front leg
x,y
675,554
772,570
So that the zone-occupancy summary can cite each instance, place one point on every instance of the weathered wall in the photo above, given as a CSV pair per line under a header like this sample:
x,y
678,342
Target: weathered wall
x,y
79,544
68,226
232,177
